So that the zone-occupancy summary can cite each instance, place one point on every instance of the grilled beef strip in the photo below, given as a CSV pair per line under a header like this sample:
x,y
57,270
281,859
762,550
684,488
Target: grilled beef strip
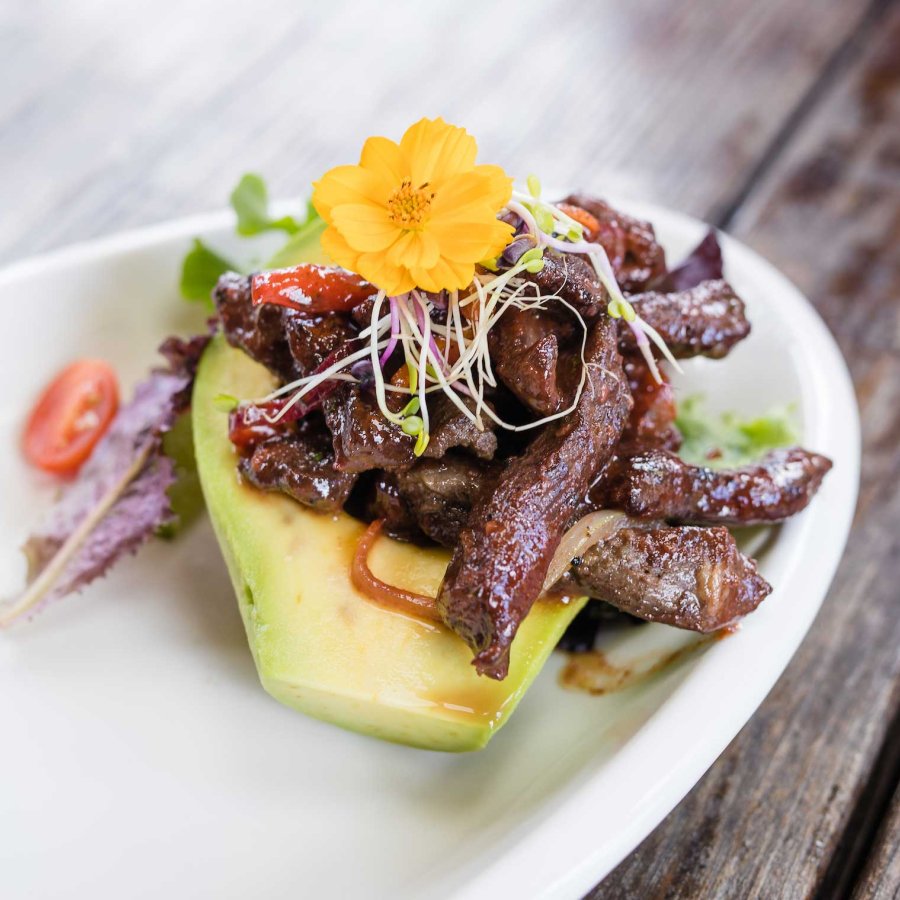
x,y
573,278
259,331
634,253
300,465
386,503
692,578
706,320
500,562
651,424
525,352
659,485
440,493
364,439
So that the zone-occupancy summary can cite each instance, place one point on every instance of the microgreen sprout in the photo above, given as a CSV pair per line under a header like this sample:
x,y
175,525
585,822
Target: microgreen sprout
x,y
553,228
439,343
225,402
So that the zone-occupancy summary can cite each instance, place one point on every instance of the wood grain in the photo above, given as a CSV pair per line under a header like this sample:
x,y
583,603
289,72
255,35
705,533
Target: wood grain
x,y
134,112
786,810
881,876
777,118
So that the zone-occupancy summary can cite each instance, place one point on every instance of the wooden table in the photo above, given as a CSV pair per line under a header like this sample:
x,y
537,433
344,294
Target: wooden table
x,y
778,120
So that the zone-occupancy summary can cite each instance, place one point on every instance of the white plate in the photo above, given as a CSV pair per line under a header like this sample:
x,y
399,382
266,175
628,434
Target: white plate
x,y
140,757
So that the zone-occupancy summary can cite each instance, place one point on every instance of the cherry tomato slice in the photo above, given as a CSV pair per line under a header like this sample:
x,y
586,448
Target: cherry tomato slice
x,y
70,417
311,289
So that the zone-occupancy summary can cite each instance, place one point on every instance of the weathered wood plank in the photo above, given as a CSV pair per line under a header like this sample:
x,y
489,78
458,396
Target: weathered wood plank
x,y
881,876
771,817
124,114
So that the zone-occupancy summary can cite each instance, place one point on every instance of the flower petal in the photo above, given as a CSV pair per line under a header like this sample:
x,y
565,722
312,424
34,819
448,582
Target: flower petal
x,y
498,186
470,195
348,184
365,226
338,250
435,151
445,275
384,158
415,249
471,241
377,269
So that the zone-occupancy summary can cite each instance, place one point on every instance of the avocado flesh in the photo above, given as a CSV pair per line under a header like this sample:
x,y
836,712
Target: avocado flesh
x,y
319,645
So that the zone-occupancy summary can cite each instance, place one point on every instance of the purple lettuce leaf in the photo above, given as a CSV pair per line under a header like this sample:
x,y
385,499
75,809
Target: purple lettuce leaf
x,y
703,263
119,498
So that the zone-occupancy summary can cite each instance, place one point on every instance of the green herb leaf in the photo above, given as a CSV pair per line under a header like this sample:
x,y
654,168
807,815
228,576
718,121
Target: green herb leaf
x,y
201,270
724,440
250,200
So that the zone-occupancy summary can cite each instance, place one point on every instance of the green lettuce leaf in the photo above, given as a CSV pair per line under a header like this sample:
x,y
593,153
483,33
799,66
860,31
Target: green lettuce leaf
x,y
725,440
200,271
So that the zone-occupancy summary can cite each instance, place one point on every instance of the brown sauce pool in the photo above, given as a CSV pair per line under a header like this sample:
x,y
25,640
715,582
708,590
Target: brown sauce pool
x,y
595,674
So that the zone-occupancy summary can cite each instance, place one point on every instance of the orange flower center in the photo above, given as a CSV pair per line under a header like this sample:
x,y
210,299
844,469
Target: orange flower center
x,y
408,207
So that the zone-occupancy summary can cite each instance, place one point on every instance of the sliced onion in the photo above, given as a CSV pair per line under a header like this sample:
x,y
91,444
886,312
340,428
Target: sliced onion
x,y
380,592
587,531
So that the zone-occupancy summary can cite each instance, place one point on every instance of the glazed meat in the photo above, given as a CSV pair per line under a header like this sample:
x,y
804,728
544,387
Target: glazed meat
x,y
634,253
313,339
301,466
451,429
573,278
439,494
501,497
526,345
707,320
651,424
499,565
659,485
364,439
259,331
693,578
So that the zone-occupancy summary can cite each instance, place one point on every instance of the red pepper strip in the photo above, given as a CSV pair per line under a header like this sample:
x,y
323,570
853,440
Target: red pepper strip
x,y
379,592
310,289
249,425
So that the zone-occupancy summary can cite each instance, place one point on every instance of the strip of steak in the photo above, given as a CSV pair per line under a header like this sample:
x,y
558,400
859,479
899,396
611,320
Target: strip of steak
x,y
440,493
525,353
499,565
707,320
257,330
385,503
634,253
651,424
659,485
364,439
573,278
302,466
692,578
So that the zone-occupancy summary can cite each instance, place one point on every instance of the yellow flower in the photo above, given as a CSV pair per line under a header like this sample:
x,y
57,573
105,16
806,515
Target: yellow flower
x,y
415,214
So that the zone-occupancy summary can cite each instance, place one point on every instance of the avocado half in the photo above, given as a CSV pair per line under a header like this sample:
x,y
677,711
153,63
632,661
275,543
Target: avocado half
x,y
319,645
